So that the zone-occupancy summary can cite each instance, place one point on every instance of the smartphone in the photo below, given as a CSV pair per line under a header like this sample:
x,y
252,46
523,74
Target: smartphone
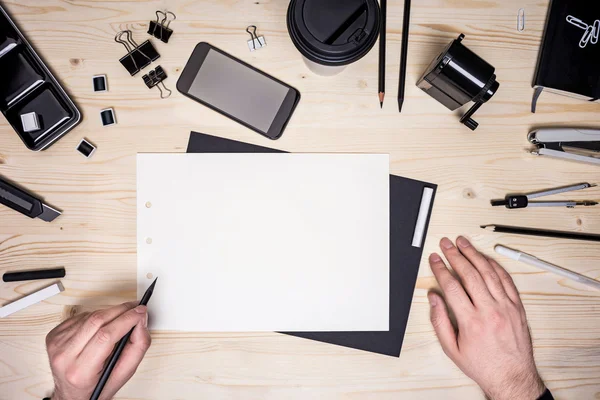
x,y
238,90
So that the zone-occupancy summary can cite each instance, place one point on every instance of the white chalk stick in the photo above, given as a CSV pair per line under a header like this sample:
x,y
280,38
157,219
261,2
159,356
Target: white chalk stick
x,y
422,218
31,299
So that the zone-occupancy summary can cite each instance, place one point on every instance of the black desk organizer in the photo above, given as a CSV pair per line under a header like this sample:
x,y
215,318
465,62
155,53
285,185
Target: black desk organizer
x,y
27,85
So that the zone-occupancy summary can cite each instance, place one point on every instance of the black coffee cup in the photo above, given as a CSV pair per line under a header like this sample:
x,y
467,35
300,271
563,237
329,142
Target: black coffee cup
x,y
331,34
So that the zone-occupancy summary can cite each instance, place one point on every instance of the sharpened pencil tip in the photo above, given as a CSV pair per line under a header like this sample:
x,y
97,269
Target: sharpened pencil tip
x,y
400,103
153,283
381,104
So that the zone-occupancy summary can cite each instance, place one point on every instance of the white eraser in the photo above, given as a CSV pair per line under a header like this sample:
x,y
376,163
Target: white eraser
x,y
30,122
31,299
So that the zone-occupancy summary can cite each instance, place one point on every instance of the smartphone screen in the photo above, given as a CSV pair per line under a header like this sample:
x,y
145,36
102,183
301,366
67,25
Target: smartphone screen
x,y
238,90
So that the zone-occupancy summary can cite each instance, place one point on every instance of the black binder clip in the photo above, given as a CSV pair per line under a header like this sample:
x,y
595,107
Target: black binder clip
x,y
156,77
138,57
158,29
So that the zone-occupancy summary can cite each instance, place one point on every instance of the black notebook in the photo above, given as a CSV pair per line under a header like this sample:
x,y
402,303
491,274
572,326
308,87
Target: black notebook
x,y
405,201
570,51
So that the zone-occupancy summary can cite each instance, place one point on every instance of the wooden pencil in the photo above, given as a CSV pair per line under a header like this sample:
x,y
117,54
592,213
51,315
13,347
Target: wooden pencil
x,y
403,54
542,232
382,41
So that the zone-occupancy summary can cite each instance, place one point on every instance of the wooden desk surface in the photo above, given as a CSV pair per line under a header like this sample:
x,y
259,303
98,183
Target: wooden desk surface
x,y
95,237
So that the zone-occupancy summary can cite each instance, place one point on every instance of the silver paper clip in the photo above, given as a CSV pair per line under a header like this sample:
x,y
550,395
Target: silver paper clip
x,y
256,42
591,33
521,20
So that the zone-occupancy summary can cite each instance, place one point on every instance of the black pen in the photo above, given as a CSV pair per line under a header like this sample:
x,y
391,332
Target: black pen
x,y
119,349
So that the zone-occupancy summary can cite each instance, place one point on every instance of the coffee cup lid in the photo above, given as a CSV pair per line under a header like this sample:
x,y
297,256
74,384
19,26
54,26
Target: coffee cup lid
x,y
333,32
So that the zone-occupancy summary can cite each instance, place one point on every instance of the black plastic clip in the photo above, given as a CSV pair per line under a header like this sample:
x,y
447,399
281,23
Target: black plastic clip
x,y
156,77
138,57
158,29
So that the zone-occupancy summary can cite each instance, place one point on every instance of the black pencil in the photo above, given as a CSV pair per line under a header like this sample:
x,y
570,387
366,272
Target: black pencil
x,y
382,52
403,54
542,232
119,349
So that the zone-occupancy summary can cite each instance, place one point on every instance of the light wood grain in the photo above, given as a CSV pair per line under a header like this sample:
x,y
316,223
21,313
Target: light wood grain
x,y
95,237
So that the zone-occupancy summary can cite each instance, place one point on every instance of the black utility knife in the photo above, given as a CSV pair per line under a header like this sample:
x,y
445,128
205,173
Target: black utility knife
x,y
15,198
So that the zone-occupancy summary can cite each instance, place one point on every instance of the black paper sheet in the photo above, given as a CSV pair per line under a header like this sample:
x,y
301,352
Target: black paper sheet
x,y
405,199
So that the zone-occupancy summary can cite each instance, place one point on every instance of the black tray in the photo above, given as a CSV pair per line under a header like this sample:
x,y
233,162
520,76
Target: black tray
x,y
27,85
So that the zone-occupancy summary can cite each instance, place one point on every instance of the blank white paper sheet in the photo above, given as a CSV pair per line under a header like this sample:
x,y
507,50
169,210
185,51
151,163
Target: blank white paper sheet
x,y
264,242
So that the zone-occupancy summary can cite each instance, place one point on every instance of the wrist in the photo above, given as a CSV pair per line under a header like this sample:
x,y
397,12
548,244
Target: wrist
x,y
56,396
530,388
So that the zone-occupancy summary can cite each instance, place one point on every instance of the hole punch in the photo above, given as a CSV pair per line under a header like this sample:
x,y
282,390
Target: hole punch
x,y
158,29
149,275
255,42
148,204
156,77
149,240
138,57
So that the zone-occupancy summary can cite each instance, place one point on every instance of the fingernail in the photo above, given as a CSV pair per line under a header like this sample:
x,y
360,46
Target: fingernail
x,y
146,321
435,257
140,309
463,242
432,300
446,243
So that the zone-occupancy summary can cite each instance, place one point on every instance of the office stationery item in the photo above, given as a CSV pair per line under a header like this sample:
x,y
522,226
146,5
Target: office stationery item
x,y
569,53
99,83
238,91
404,258
27,86
422,217
403,54
255,42
154,78
590,34
119,348
331,34
107,117
30,121
517,230
158,29
31,299
521,20
523,201
25,203
34,275
85,148
536,262
382,43
582,145
458,76
138,57
265,240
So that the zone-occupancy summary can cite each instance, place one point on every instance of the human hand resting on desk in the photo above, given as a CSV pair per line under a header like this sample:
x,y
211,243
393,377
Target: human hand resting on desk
x,y
491,344
79,347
